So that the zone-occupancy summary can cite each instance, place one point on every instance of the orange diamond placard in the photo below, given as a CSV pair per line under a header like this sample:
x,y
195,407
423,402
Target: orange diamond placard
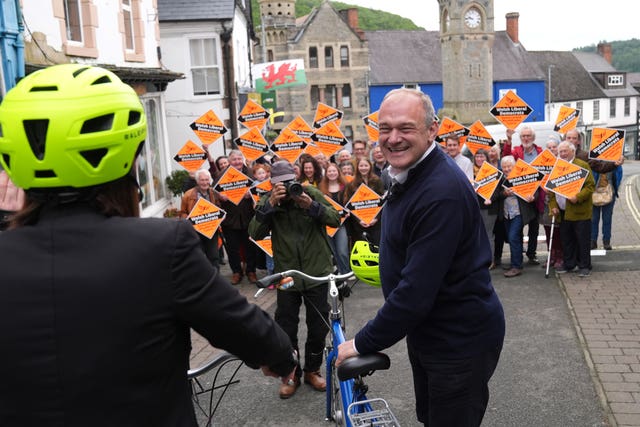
x,y
206,217
190,156
260,189
253,115
479,138
566,179
233,184
371,126
524,180
331,231
329,139
567,119
288,145
365,204
326,114
511,110
606,144
301,128
252,144
312,150
450,127
544,164
487,180
264,244
208,127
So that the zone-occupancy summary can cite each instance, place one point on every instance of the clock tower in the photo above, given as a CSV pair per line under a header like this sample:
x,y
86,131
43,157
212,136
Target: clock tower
x,y
466,39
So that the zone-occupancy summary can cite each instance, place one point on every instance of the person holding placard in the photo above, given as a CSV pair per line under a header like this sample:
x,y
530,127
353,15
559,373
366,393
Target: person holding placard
x,y
575,216
514,212
605,211
455,151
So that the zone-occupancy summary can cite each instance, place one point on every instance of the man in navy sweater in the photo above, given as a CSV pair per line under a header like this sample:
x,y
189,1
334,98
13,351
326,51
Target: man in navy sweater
x,y
434,267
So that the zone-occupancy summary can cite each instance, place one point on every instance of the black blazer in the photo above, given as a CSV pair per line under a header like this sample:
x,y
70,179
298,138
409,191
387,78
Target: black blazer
x,y
95,315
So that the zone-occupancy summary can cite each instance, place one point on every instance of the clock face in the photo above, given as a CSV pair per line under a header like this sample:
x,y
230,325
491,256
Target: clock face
x,y
473,18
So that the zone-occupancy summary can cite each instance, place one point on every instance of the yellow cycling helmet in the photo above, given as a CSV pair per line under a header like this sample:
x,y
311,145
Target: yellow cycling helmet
x,y
364,262
70,125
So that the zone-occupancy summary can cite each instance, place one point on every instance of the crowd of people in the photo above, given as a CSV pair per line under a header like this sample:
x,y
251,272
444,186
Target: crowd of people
x,y
571,225
438,242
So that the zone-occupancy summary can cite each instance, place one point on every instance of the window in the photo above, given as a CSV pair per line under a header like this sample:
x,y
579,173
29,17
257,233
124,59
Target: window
x,y
313,57
344,56
270,55
348,132
330,96
627,106
596,110
346,96
150,166
328,57
612,107
315,96
205,71
128,24
616,80
579,106
73,19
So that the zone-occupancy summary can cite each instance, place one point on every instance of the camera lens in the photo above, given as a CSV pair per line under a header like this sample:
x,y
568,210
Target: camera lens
x,y
294,189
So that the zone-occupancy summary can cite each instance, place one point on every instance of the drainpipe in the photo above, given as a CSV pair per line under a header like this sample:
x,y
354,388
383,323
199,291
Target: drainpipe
x,y
227,61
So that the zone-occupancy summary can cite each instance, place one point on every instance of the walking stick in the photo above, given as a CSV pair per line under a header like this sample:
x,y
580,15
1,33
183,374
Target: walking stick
x,y
553,223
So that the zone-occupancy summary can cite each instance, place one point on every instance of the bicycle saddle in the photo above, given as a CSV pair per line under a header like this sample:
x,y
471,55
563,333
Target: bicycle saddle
x,y
362,365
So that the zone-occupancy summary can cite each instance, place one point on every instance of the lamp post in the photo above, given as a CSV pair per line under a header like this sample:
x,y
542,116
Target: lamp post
x,y
549,89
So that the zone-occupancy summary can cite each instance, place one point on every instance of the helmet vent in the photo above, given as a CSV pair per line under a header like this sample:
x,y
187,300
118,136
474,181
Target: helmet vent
x,y
134,117
79,71
46,173
102,80
44,89
7,160
36,131
94,157
97,124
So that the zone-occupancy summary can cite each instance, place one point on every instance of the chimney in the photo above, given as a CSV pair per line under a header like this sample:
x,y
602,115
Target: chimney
x,y
512,26
604,49
350,16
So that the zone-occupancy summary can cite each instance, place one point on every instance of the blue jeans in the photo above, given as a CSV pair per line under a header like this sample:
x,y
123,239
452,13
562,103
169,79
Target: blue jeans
x,y
340,248
607,215
514,237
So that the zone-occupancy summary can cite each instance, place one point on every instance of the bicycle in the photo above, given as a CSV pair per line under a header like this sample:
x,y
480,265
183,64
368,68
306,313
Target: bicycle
x,y
345,385
203,389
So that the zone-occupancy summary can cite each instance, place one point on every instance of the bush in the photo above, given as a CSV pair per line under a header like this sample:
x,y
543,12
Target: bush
x,y
176,181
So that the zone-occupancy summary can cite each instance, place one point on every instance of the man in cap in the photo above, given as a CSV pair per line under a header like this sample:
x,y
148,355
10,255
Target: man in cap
x,y
297,216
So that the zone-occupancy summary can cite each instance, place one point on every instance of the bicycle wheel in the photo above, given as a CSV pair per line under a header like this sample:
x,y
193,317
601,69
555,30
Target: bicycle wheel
x,y
337,409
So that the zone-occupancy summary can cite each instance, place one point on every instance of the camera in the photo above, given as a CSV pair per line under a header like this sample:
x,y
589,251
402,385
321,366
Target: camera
x,y
293,188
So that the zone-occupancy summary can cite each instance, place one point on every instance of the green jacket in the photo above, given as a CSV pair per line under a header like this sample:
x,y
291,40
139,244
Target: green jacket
x,y
298,236
583,209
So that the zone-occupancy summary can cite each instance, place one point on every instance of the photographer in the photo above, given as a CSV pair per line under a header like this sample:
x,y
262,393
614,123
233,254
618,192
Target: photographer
x,y
297,217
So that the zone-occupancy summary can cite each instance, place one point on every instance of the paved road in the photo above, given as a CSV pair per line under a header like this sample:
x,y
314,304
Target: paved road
x,y
566,360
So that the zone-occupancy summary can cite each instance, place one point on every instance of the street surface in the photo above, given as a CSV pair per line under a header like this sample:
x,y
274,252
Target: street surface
x,y
571,355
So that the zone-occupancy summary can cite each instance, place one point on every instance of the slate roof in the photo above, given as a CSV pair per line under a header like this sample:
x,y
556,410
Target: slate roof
x,y
195,10
397,57
415,57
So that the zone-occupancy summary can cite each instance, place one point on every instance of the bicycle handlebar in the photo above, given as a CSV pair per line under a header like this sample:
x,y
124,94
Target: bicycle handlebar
x,y
275,279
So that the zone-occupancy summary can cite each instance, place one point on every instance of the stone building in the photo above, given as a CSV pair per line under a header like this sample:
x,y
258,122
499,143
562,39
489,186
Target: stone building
x,y
336,58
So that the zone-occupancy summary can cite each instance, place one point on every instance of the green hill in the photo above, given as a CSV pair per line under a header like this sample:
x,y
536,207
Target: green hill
x,y
369,19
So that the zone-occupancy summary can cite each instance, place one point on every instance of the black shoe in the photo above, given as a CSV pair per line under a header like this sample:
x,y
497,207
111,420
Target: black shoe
x,y
607,245
533,261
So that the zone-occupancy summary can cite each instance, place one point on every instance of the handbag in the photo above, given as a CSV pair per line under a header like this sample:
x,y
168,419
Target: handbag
x,y
603,195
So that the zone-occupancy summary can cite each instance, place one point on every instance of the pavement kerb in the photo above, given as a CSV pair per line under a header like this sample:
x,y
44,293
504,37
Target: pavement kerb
x,y
587,356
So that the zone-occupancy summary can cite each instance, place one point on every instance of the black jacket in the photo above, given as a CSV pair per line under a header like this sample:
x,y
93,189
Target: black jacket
x,y
95,315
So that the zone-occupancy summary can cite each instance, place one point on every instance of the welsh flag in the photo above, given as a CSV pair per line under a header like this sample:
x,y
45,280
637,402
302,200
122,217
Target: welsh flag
x,y
279,74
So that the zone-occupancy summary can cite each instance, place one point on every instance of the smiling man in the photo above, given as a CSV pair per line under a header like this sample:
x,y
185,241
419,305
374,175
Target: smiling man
x,y
434,268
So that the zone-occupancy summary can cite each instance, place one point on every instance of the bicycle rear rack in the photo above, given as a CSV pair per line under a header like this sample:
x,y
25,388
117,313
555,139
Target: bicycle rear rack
x,y
380,414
